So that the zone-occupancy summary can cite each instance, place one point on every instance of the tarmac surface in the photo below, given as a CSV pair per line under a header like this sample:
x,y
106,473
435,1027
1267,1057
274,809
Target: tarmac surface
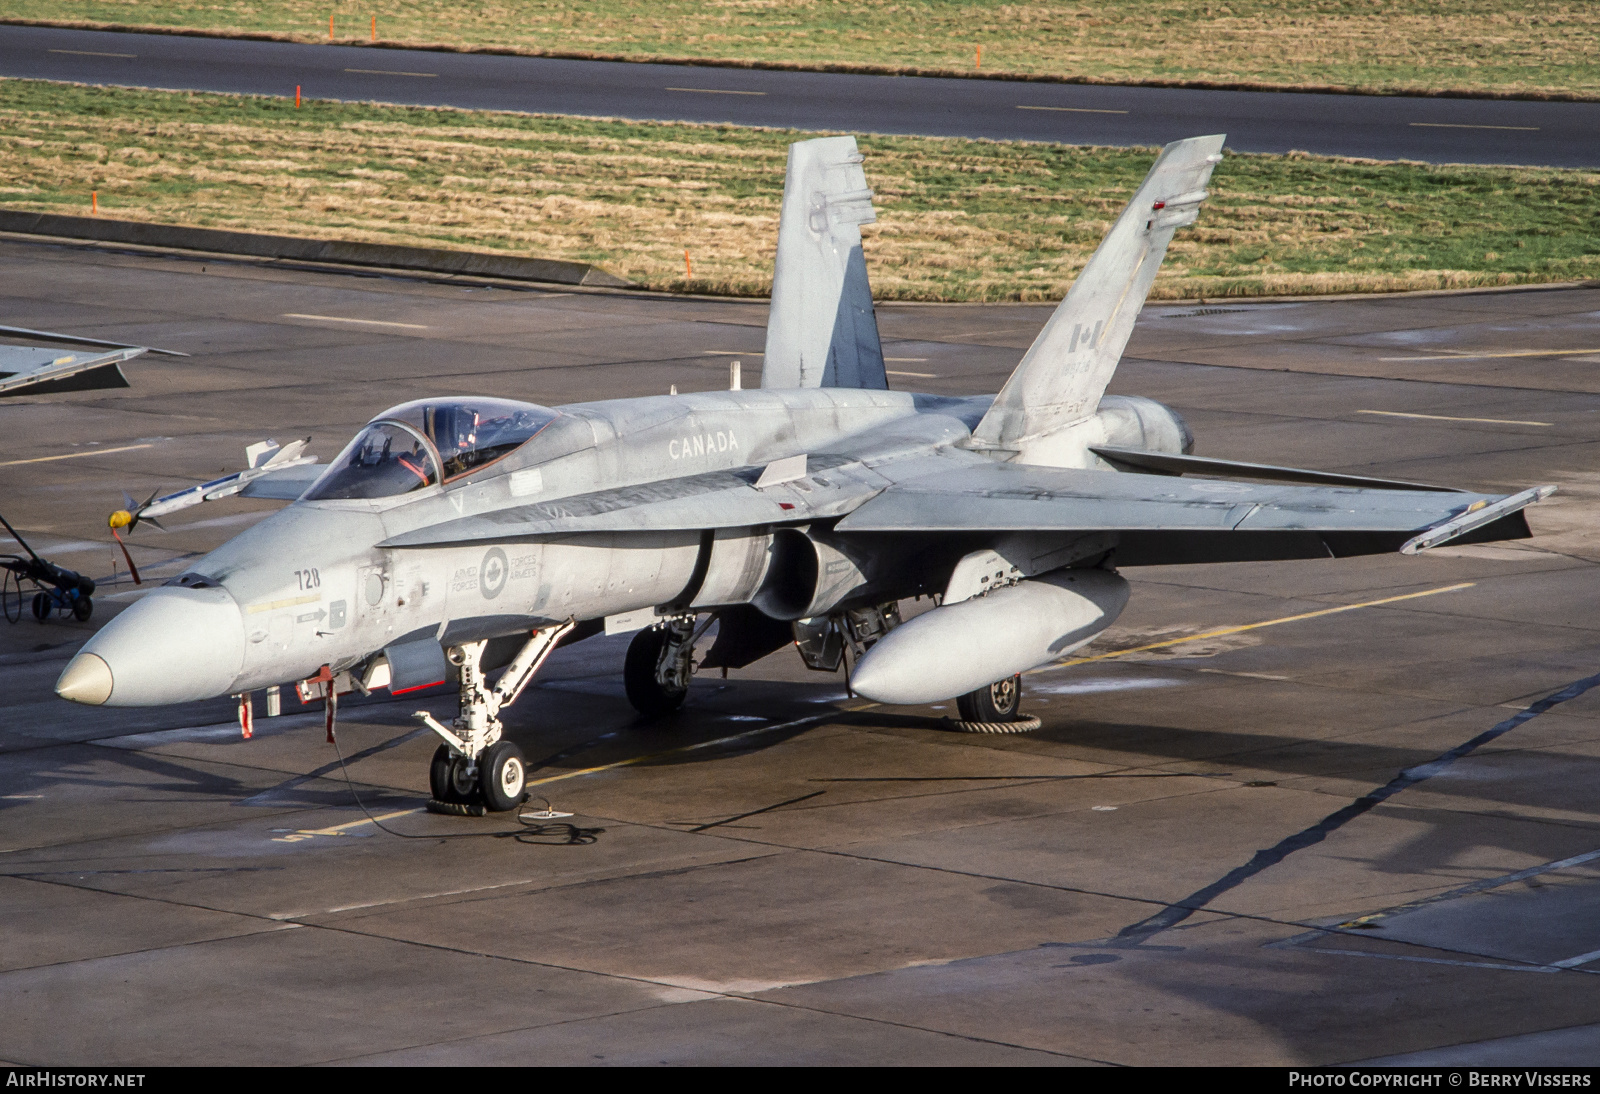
x,y
1435,130
1207,854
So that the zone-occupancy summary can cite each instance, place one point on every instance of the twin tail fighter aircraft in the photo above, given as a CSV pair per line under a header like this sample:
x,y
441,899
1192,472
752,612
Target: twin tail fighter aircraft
x,y
456,536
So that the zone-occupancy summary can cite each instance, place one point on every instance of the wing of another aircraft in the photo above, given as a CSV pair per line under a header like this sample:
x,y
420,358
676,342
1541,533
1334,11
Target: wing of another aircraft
x,y
822,331
34,370
41,370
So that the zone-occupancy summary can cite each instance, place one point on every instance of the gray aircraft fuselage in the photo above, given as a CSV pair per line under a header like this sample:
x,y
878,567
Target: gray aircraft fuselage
x,y
311,585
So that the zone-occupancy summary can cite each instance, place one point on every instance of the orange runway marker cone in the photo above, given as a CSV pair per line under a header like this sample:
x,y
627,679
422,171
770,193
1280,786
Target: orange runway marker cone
x,y
374,28
330,28
977,61
94,202
688,270
297,96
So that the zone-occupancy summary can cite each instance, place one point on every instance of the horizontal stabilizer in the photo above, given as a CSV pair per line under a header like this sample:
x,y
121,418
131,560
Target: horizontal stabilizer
x,y
821,330
1163,463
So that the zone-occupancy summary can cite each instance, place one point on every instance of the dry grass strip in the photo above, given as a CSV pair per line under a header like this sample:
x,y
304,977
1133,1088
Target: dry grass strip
x,y
958,219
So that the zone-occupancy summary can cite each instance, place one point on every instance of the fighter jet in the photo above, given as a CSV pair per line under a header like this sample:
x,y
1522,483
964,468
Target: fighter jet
x,y
455,536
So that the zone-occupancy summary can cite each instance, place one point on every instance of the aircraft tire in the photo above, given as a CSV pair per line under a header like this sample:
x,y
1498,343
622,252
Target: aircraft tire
x,y
503,776
1001,701
645,692
447,778
82,609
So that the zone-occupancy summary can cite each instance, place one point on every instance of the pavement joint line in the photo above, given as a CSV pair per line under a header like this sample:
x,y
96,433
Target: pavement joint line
x,y
75,455
1448,418
1254,626
750,997
1500,966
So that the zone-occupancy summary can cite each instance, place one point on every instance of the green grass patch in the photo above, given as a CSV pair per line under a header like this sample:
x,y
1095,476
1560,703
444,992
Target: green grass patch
x,y
1512,46
958,219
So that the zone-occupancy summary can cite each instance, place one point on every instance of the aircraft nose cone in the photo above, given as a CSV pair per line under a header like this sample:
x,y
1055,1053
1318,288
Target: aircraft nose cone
x,y
173,646
87,680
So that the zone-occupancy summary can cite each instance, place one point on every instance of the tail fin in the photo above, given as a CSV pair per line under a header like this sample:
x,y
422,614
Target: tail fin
x,y
1067,368
822,331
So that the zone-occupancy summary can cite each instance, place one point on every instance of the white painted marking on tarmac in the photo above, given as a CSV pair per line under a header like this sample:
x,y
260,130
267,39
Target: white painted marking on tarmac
x,y
1446,418
91,53
1072,109
347,319
917,375
75,455
715,91
733,353
1093,687
1458,125
390,72
1438,960
904,360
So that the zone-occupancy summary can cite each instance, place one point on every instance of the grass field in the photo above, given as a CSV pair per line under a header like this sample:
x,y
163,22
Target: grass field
x,y
958,219
1510,46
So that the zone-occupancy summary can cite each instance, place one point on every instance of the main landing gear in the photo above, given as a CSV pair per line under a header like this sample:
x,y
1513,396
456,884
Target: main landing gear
x,y
995,709
660,663
474,770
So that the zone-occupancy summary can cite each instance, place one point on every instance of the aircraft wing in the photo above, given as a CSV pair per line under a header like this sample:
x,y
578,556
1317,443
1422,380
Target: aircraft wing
x,y
1160,519
37,370
285,484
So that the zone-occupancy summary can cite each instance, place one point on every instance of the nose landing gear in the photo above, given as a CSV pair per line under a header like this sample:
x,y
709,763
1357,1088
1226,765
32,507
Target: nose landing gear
x,y
474,770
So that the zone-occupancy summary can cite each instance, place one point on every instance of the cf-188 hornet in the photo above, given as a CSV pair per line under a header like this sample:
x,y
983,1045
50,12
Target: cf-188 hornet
x,y
456,536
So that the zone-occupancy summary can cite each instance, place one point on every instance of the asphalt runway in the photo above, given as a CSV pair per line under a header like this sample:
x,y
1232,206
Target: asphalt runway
x,y
1208,854
1382,127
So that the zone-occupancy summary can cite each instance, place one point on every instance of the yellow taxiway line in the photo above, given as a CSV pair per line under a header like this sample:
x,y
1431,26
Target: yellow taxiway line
x,y
1447,418
75,455
1458,356
345,319
1254,626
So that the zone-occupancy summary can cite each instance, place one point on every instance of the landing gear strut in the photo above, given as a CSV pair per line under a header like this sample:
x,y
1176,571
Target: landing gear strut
x,y
474,767
660,663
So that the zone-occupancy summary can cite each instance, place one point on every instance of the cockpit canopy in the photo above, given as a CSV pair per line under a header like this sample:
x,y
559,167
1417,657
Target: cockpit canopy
x,y
431,440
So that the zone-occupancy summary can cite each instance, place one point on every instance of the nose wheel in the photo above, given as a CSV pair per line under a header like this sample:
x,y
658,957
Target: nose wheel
x,y
475,769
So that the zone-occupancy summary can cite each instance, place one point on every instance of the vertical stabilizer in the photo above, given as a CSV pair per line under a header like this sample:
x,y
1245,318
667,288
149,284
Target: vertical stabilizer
x,y
822,331
1065,371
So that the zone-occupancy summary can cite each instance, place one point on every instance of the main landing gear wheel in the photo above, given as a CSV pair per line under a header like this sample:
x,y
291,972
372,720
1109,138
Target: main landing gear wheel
x,y
995,709
503,776
449,778
640,679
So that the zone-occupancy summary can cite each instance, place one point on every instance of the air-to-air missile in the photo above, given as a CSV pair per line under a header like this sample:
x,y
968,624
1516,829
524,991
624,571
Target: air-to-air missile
x,y
454,536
